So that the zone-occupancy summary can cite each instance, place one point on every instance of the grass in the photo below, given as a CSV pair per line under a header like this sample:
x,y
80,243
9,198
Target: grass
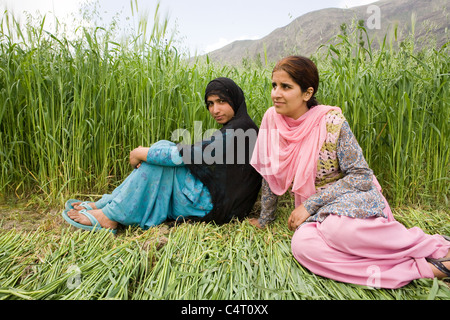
x,y
185,262
72,109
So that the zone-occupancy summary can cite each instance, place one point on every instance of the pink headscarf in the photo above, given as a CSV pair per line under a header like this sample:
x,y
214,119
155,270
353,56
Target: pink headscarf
x,y
287,150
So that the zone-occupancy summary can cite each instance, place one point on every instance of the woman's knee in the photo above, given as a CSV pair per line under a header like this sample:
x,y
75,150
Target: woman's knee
x,y
161,143
303,242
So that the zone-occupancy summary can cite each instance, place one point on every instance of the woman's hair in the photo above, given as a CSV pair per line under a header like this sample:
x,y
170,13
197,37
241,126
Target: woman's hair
x,y
303,71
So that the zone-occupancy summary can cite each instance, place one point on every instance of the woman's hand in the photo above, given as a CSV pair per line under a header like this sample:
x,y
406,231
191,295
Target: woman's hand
x,y
298,216
138,155
134,161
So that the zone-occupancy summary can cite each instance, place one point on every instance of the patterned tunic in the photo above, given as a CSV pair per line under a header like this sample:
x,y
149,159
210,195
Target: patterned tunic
x,y
343,181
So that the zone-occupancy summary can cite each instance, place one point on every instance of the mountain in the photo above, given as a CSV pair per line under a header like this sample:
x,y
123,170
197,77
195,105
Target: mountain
x,y
308,32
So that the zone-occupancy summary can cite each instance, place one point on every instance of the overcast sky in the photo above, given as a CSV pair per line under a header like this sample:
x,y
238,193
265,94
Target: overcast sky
x,y
202,25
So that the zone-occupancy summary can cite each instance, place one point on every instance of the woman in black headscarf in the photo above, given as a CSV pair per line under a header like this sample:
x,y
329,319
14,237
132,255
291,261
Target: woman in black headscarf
x,y
232,182
211,180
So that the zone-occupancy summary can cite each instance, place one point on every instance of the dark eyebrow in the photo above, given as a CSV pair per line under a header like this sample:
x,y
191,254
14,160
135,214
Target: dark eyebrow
x,y
282,83
218,99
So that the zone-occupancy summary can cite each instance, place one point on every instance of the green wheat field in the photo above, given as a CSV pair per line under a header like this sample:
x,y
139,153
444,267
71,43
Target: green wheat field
x,y
72,108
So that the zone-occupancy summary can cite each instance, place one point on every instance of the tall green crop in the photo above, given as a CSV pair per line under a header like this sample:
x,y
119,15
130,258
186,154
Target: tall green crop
x,y
72,109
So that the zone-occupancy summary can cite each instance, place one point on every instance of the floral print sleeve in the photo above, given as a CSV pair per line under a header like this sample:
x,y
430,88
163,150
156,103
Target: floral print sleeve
x,y
268,204
354,194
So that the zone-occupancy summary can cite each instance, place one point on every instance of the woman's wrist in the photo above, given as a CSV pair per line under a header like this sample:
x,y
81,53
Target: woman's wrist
x,y
138,155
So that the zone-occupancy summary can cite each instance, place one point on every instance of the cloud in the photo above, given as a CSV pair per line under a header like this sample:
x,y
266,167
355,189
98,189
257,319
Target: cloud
x,y
354,3
60,8
216,45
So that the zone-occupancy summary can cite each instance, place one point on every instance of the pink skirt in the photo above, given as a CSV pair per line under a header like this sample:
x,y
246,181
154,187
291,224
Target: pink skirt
x,y
375,252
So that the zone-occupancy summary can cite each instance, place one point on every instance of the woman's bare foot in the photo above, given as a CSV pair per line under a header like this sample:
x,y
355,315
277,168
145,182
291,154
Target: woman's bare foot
x,y
76,205
104,221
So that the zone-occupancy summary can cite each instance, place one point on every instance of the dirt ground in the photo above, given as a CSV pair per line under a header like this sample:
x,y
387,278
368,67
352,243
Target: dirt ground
x,y
23,216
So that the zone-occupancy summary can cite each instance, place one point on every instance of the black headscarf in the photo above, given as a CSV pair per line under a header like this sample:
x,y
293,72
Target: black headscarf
x,y
226,171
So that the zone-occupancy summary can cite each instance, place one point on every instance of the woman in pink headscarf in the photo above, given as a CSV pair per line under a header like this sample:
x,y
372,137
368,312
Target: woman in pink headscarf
x,y
344,228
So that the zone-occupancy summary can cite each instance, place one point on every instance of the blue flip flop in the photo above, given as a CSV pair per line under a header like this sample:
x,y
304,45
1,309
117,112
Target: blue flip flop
x,y
95,224
84,204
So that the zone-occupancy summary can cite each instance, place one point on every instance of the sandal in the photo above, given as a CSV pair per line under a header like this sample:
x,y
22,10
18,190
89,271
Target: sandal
x,y
95,224
84,204
439,265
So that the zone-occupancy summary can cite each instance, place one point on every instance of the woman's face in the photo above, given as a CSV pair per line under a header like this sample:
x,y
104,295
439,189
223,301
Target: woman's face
x,y
287,96
219,109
